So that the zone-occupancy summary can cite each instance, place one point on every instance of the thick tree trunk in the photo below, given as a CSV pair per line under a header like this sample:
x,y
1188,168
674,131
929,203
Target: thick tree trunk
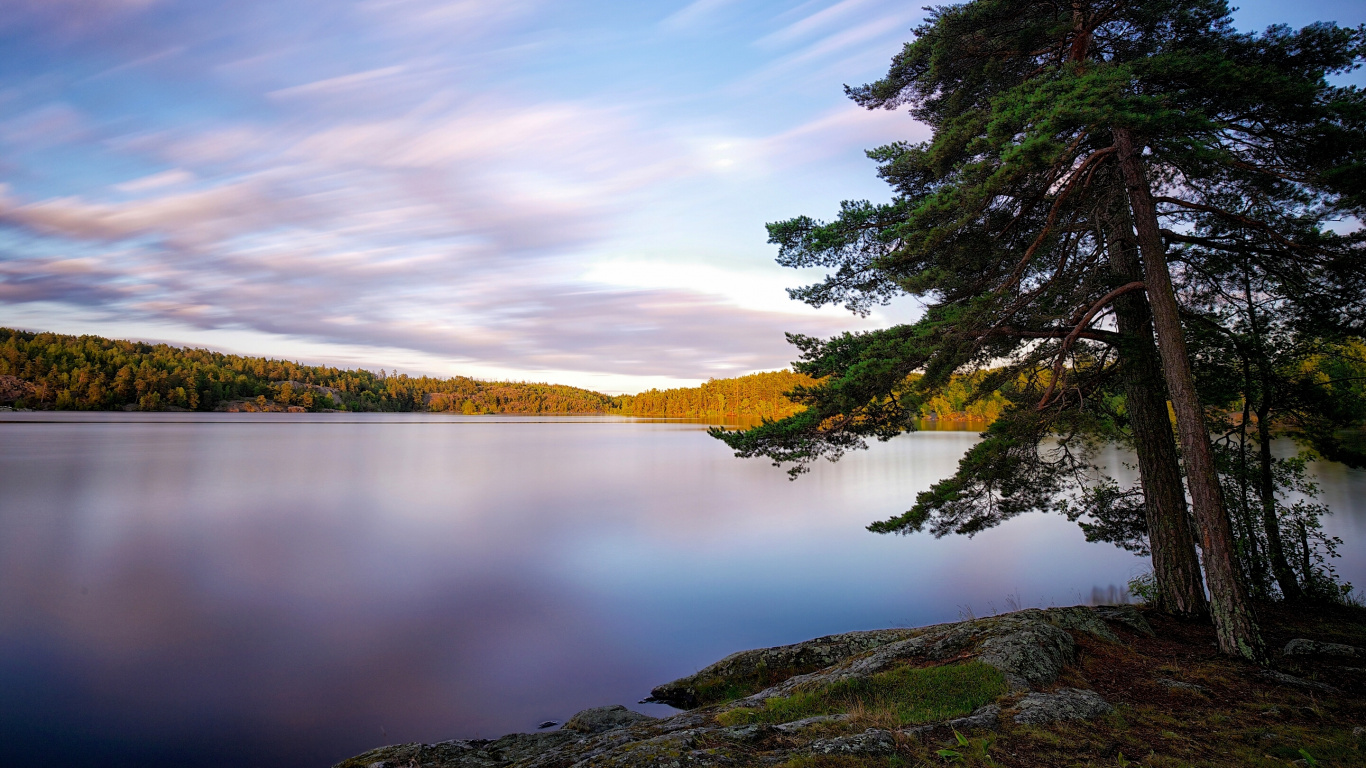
x,y
1234,622
1176,566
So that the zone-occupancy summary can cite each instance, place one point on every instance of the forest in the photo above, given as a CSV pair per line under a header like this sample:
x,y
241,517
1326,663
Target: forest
x,y
52,371
48,371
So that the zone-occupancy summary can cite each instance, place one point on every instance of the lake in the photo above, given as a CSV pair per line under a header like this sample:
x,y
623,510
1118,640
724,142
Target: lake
x,y
290,590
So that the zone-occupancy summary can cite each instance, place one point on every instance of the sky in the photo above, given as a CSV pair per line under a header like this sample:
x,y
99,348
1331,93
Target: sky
x,y
539,190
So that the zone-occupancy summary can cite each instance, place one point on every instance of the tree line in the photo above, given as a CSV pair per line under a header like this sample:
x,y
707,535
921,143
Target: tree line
x,y
1154,220
765,396
53,371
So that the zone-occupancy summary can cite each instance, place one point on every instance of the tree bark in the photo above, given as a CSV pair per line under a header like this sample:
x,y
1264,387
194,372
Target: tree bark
x,y
1234,622
1176,566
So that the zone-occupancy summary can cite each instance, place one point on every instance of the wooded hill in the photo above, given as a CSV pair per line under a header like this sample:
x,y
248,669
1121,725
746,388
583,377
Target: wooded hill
x,y
761,395
93,373
50,371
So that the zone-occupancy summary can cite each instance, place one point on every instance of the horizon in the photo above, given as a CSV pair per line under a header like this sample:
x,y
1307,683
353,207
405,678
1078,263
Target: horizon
x,y
562,193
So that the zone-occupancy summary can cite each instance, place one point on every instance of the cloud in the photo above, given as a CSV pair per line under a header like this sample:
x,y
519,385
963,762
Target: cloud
x,y
529,325
195,217
377,188
813,24
341,83
171,178
694,13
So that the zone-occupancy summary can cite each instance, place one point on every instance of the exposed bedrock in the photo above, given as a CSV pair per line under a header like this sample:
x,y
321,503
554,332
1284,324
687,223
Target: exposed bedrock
x,y
1029,648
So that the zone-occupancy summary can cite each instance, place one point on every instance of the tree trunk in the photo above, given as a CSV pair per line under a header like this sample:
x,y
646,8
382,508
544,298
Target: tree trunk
x,y
1234,622
1280,566
1176,567
1254,568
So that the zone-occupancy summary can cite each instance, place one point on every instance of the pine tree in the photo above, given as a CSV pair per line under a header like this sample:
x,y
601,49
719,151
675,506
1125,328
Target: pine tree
x,y
1073,144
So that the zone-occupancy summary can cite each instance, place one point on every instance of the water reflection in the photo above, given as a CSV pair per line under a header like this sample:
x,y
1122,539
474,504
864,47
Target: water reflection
x,y
271,590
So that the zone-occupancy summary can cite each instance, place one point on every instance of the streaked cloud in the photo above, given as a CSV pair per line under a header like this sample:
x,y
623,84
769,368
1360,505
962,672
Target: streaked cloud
x,y
490,184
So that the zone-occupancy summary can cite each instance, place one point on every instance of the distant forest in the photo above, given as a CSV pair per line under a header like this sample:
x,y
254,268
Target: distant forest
x,y
49,371
760,395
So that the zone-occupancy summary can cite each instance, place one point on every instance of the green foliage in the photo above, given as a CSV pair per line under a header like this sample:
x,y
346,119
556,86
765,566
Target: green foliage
x,y
978,750
762,395
1144,587
51,371
93,373
1012,223
907,694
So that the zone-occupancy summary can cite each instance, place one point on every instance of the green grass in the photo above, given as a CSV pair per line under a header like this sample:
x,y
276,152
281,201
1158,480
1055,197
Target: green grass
x,y
908,695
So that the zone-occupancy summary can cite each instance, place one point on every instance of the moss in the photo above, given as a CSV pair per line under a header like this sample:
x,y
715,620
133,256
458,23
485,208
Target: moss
x,y
907,694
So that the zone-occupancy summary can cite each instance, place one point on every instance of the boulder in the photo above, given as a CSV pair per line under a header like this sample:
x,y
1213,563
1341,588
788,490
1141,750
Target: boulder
x,y
1180,686
873,741
1316,649
599,719
1063,704
1281,678
985,718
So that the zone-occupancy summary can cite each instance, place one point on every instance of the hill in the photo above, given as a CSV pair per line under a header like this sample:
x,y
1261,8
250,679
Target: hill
x,y
49,371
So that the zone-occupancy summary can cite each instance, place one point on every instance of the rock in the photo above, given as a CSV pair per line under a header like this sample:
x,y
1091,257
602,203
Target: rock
x,y
1065,704
548,724
873,741
797,725
1126,615
462,753
1030,656
14,388
748,734
1028,647
1316,649
601,719
673,750
985,718
1297,682
1081,619
1178,685
763,667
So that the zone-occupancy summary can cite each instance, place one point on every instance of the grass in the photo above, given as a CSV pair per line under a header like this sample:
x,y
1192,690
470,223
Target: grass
x,y
906,696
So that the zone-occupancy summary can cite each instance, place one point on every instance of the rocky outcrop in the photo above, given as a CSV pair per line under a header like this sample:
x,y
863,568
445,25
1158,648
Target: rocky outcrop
x,y
750,671
1030,648
14,388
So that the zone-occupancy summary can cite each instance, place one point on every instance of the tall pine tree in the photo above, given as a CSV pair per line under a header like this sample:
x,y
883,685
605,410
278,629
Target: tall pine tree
x,y
1072,144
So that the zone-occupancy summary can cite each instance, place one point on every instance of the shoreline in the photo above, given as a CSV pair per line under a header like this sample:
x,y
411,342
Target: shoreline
x,y
1032,687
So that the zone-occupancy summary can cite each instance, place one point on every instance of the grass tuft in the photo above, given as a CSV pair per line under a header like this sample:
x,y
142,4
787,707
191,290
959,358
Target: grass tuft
x,y
906,695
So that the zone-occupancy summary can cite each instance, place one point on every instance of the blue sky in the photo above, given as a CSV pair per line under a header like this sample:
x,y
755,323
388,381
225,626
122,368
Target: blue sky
x,y
525,189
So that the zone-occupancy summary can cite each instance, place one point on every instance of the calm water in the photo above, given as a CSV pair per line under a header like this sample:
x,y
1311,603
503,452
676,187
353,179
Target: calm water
x,y
271,590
